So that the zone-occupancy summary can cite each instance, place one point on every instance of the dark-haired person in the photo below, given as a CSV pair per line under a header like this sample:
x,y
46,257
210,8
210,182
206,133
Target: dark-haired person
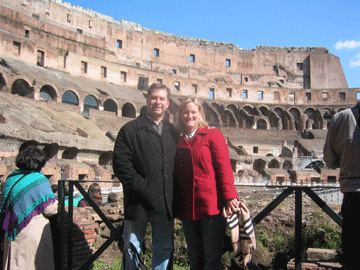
x,y
144,159
94,192
27,201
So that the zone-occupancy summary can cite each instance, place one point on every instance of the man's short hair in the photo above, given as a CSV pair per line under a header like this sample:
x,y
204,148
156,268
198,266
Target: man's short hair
x,y
158,86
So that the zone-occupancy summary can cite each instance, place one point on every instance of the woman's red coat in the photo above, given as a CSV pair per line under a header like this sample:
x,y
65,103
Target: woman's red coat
x,y
205,177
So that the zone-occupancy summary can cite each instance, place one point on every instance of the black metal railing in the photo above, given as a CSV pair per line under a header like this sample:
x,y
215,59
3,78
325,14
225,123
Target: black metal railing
x,y
298,212
67,229
67,253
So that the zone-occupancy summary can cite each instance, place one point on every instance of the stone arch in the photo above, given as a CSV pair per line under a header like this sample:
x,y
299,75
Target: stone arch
x,y
295,112
246,118
111,106
106,158
311,121
22,88
216,106
249,109
283,118
50,150
259,165
287,165
264,110
327,114
274,164
69,97
128,110
233,108
90,102
47,92
261,124
70,153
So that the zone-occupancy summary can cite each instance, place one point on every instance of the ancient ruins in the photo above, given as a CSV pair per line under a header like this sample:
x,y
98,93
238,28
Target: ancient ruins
x,y
71,77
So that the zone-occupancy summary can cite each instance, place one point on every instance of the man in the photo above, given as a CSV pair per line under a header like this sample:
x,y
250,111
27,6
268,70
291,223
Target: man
x,y
144,156
342,150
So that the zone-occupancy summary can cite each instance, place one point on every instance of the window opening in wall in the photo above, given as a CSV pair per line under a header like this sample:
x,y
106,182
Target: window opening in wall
x,y
119,44
228,62
292,98
35,16
260,94
358,95
177,86
324,95
342,96
255,149
68,17
246,79
104,72
27,33
300,66
282,81
84,67
16,47
276,95
90,24
156,52
79,31
308,96
143,83
192,58
229,91
40,58
244,94
137,65
211,93
173,71
195,88
159,80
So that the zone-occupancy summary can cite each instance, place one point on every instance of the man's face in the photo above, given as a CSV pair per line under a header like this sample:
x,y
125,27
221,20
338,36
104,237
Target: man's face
x,y
157,103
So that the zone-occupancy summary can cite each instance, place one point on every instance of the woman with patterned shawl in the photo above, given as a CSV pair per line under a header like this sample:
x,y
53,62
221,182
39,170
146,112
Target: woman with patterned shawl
x,y
28,242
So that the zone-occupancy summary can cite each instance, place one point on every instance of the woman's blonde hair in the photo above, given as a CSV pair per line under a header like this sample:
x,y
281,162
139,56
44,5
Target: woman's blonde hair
x,y
202,123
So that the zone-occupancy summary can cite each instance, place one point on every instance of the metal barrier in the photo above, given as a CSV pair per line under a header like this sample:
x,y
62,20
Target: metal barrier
x,y
115,232
298,213
68,230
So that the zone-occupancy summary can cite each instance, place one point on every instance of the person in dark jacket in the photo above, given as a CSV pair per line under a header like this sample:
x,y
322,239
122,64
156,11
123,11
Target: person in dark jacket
x,y
144,156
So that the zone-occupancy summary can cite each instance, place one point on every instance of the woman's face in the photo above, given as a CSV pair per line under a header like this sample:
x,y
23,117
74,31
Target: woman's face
x,y
190,116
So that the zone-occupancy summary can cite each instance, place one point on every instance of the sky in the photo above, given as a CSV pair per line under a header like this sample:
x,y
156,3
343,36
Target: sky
x,y
250,23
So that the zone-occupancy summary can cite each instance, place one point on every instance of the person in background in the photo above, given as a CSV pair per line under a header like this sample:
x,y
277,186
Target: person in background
x,y
28,202
342,150
94,192
55,188
112,198
206,185
144,156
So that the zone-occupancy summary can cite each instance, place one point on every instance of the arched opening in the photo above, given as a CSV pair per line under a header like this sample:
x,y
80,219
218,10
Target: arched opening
x,y
259,165
261,124
69,97
110,106
47,93
50,150
70,153
22,88
106,158
287,165
274,164
297,116
90,102
128,110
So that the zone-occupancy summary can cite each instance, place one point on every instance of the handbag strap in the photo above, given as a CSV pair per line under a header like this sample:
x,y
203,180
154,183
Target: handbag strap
x,y
17,181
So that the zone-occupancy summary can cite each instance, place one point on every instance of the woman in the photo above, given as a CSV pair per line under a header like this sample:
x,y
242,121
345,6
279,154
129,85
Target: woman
x,y
94,192
206,185
27,201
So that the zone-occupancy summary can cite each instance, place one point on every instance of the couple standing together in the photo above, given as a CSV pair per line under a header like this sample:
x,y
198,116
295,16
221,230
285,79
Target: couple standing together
x,y
167,175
